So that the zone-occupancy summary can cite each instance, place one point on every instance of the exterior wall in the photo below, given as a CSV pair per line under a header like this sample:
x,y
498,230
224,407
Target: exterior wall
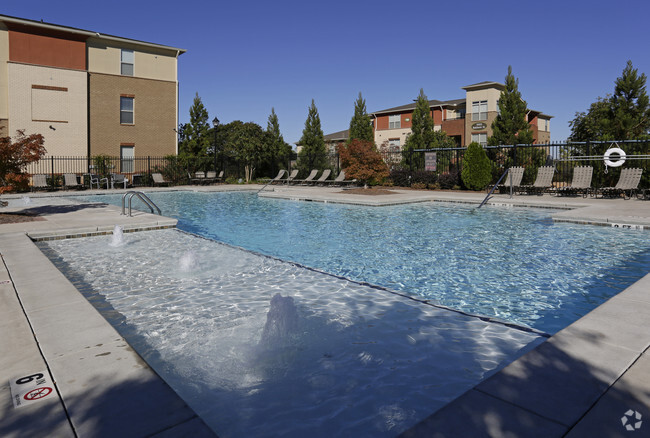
x,y
492,95
44,97
52,51
152,133
4,81
149,63
455,128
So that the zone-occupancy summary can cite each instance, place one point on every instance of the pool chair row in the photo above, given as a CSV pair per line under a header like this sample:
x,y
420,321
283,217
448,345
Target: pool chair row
x,y
628,183
209,177
311,178
74,181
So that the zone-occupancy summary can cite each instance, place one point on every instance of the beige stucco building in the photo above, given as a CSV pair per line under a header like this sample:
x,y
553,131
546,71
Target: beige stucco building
x,y
465,120
87,93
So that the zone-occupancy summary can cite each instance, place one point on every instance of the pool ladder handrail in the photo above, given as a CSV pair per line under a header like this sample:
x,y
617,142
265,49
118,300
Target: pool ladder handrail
x,y
489,195
144,198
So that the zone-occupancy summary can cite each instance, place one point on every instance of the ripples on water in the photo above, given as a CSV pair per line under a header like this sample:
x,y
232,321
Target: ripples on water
x,y
510,263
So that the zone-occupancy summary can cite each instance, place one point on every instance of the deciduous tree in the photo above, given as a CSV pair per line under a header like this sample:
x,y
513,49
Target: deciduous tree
x,y
361,160
248,144
15,156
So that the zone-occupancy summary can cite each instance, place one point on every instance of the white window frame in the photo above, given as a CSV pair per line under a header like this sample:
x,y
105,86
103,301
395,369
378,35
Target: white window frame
x,y
480,138
479,110
126,111
395,121
127,58
127,159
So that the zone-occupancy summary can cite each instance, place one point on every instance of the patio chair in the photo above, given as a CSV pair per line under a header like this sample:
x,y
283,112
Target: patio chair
x,y
581,182
340,180
70,181
278,177
95,179
159,180
323,178
292,176
543,182
219,177
210,177
118,178
515,175
628,184
307,180
39,181
198,178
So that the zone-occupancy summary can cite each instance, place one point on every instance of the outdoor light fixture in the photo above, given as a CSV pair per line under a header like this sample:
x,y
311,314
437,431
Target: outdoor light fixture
x,y
52,128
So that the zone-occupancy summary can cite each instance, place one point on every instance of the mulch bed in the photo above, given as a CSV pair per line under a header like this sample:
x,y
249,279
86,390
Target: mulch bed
x,y
14,218
370,191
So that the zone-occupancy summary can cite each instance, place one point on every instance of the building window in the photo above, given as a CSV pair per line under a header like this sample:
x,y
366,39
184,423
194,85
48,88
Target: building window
x,y
394,122
126,66
126,110
127,154
480,139
393,144
479,110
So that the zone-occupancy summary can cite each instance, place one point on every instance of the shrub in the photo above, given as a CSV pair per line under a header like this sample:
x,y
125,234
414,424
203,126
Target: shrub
x,y
15,156
448,180
361,160
477,167
401,178
428,179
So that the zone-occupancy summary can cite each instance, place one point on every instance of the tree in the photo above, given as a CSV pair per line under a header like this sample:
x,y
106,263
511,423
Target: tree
x,y
511,127
278,148
15,156
621,116
477,167
360,124
421,135
361,160
195,135
248,144
313,154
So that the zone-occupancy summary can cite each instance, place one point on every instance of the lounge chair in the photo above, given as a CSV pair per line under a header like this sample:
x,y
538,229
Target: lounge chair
x,y
159,180
307,180
340,180
581,182
39,181
628,183
292,176
515,175
323,177
118,178
278,177
543,182
210,176
198,178
70,181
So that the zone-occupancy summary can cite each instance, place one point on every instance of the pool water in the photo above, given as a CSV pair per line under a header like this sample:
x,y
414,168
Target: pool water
x,y
513,264
339,359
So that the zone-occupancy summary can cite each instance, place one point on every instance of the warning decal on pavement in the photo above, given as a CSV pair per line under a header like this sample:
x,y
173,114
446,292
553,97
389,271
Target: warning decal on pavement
x,y
31,388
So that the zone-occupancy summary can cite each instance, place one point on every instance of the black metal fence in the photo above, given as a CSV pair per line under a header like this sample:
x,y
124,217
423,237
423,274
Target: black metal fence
x,y
432,168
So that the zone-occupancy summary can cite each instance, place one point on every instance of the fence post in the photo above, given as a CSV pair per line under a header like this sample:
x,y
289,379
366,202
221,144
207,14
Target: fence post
x,y
149,169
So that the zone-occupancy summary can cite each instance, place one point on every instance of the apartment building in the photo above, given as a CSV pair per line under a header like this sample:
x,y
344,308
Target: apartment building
x,y
86,92
465,120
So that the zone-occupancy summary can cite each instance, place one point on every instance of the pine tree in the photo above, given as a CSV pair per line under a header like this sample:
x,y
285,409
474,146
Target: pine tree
x,y
196,138
360,124
511,127
629,106
422,133
313,154
278,148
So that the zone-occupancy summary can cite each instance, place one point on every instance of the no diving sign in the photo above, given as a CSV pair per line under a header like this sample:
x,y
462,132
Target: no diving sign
x,y
31,388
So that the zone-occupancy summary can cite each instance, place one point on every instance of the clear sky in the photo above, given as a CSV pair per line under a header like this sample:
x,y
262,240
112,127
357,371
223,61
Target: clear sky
x,y
245,57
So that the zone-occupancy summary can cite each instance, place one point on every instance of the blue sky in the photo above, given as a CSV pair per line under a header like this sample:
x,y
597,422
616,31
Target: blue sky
x,y
245,57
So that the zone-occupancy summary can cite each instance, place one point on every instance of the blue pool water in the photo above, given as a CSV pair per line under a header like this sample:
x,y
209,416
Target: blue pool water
x,y
513,264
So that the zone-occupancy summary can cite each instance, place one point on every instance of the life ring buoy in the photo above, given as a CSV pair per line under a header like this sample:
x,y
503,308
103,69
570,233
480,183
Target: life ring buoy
x,y
617,163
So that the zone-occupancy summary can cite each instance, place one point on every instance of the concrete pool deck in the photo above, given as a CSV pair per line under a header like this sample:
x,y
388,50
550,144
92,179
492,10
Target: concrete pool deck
x,y
581,382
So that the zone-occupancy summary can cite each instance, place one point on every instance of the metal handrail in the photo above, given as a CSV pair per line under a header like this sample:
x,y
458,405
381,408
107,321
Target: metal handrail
x,y
494,187
144,198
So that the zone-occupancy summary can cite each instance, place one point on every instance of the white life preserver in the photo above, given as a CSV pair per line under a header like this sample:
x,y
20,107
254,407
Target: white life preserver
x,y
617,163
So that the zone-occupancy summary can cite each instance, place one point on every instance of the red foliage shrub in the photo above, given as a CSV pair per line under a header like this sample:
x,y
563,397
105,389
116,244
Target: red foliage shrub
x,y
361,160
15,156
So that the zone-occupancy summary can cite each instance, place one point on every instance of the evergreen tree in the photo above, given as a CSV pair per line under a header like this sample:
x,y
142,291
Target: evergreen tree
x,y
421,135
196,138
629,106
511,127
477,168
278,148
360,124
313,154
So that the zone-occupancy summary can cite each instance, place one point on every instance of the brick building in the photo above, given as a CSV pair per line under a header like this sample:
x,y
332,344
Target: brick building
x,y
87,93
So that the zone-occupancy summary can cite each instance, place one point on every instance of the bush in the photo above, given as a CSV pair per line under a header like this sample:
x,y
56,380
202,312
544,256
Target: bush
x,y
361,160
448,180
423,177
477,167
401,178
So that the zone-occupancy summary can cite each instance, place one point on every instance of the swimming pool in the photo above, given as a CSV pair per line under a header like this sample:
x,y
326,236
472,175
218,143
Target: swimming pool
x,y
513,264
